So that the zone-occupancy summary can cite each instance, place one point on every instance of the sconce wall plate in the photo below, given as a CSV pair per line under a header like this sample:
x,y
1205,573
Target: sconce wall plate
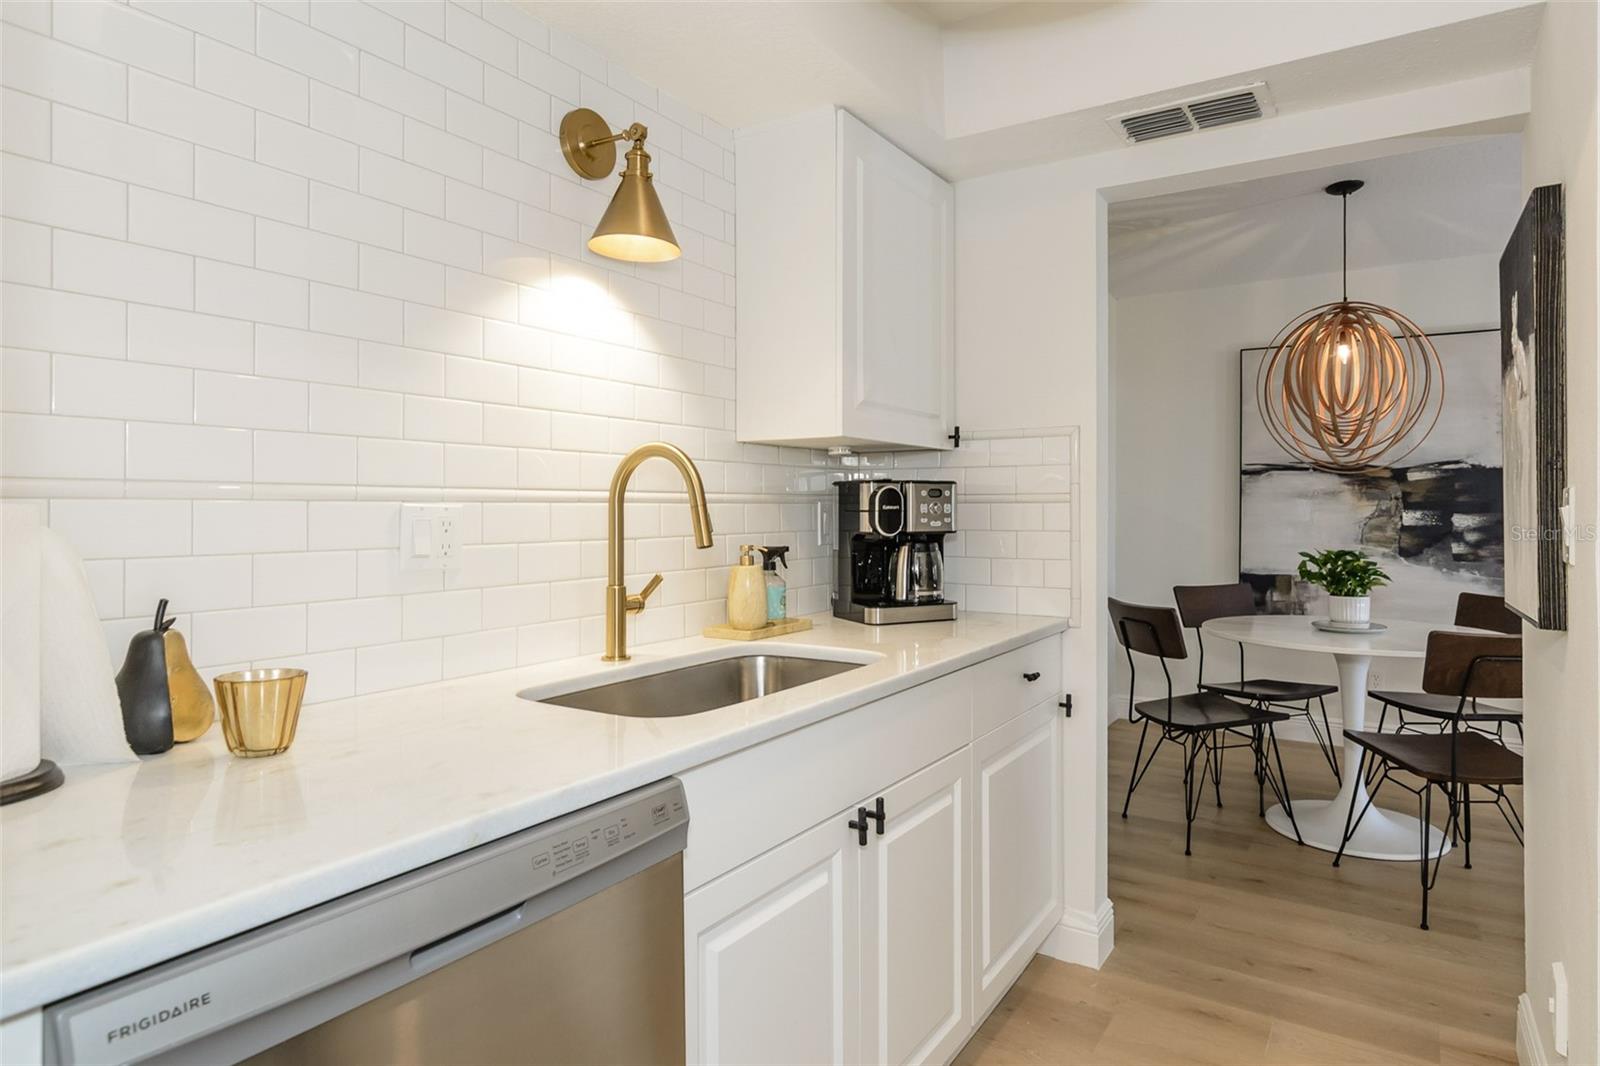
x,y
587,144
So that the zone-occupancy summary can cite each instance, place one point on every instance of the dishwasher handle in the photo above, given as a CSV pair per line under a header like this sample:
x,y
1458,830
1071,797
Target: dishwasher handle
x,y
464,942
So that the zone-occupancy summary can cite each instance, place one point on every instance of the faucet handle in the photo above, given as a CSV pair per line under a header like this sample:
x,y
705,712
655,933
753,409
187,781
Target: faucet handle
x,y
636,602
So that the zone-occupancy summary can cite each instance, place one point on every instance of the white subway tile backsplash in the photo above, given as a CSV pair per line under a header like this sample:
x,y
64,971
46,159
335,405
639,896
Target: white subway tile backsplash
x,y
157,103
306,356
361,25
249,402
182,338
253,633
191,582
356,314
114,149
188,453
257,295
54,446
61,72
390,297
103,267
327,60
304,458
238,75
389,666
180,224
435,60
353,623
117,388
55,321
401,462
301,150
351,118
124,529
55,196
247,186
231,21
357,412
305,253
223,527
304,577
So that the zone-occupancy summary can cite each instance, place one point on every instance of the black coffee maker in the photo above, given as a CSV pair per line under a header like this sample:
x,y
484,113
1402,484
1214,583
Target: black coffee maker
x,y
889,554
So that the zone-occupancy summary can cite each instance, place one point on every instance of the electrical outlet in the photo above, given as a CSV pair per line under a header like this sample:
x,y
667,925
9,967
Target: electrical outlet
x,y
430,536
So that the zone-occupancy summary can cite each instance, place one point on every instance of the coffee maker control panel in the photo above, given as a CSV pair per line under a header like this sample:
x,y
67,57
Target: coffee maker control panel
x,y
930,507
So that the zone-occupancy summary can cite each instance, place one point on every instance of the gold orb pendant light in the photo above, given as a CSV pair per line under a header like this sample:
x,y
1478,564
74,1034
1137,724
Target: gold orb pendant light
x,y
635,227
1350,383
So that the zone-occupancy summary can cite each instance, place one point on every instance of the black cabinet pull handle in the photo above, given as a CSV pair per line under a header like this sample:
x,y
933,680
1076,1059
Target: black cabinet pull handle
x,y
876,814
1031,675
860,826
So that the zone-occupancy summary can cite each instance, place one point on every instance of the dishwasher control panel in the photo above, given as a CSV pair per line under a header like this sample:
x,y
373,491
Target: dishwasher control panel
x,y
209,1004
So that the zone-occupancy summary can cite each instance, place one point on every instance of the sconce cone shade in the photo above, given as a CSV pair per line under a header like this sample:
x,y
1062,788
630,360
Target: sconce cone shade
x,y
635,227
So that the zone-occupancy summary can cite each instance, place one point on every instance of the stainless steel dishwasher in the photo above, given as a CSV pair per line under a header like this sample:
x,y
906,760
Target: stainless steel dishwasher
x,y
559,944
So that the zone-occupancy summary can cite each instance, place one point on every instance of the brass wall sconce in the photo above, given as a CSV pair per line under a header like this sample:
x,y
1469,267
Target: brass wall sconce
x,y
634,228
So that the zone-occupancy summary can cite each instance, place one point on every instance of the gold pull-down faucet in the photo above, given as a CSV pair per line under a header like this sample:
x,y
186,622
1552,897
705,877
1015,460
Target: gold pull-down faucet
x,y
618,603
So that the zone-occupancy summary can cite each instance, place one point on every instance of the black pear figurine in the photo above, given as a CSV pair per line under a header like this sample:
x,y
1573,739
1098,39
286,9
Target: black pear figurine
x,y
142,688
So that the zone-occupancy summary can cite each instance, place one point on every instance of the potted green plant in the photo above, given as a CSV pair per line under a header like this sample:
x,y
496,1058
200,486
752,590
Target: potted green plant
x,y
1349,578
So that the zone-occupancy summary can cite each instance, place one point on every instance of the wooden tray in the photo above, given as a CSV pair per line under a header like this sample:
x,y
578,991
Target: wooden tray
x,y
771,629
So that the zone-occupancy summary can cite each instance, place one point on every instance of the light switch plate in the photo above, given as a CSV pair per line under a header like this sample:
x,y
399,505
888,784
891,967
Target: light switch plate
x,y
430,536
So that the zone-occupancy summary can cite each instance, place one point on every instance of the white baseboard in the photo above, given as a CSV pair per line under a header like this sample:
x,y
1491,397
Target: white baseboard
x,y
1082,938
1530,1045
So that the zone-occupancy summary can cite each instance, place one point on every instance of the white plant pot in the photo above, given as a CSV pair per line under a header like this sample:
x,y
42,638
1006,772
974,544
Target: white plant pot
x,y
1350,610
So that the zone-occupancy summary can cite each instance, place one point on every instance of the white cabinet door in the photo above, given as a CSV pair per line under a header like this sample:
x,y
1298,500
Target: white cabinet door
x,y
915,942
1017,830
770,955
896,222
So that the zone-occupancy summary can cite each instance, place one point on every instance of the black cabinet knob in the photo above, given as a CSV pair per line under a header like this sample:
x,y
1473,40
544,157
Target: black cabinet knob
x,y
859,824
1031,675
876,814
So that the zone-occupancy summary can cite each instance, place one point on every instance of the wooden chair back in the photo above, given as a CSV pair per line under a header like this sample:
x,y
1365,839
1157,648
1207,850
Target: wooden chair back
x,y
1473,666
1477,611
1148,630
1199,604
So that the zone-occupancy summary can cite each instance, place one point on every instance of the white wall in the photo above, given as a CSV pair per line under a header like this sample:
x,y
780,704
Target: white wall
x,y
1175,431
1561,883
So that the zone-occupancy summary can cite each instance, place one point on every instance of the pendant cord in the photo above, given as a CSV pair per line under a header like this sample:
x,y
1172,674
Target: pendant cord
x,y
1344,244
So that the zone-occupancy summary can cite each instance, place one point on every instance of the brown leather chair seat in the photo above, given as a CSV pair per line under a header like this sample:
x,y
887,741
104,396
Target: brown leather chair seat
x,y
1478,758
1270,690
1205,710
1443,706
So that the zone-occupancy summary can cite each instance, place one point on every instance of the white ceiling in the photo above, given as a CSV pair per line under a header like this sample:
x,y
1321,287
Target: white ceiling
x,y
1439,203
1024,83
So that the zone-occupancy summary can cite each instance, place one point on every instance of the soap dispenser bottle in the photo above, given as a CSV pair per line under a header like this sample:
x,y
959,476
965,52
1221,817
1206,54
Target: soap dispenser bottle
x,y
777,587
747,591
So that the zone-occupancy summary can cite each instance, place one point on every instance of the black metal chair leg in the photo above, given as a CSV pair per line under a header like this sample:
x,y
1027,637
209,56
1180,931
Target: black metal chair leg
x,y
1466,823
1216,766
1333,747
1283,783
1192,790
1427,818
1133,775
1261,777
1361,770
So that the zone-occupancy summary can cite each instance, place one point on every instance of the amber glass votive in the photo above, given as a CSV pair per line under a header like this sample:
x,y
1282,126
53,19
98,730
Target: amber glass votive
x,y
260,709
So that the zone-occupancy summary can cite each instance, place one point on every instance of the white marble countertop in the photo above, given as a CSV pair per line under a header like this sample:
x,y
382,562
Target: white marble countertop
x,y
123,867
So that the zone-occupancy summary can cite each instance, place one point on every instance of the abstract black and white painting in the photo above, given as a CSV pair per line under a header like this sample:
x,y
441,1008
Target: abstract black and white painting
x,y
1533,397
1433,523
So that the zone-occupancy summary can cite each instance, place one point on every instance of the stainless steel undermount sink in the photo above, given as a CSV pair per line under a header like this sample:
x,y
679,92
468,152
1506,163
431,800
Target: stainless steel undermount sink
x,y
702,687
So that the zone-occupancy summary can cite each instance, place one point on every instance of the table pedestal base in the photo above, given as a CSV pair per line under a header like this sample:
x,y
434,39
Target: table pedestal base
x,y
1382,835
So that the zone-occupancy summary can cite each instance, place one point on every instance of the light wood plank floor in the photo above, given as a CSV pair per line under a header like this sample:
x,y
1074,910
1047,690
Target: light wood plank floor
x,y
1255,950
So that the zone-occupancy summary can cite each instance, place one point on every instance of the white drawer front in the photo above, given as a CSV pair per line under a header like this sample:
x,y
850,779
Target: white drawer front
x,y
1007,685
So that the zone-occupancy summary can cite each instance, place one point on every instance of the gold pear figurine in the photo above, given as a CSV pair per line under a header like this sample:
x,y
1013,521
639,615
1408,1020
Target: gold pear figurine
x,y
192,706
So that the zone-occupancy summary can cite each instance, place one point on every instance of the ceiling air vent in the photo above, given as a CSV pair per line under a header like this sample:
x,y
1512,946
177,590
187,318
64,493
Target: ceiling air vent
x,y
1198,113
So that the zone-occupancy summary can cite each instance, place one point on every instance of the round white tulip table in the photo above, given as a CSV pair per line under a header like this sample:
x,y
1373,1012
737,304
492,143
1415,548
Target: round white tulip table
x,y
1382,834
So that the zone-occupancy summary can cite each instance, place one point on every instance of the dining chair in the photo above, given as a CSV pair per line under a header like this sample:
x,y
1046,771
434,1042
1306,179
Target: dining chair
x,y
1198,722
1199,604
1473,611
1463,667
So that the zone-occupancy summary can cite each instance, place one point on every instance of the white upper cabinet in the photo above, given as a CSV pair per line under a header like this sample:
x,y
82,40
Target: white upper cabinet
x,y
845,309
